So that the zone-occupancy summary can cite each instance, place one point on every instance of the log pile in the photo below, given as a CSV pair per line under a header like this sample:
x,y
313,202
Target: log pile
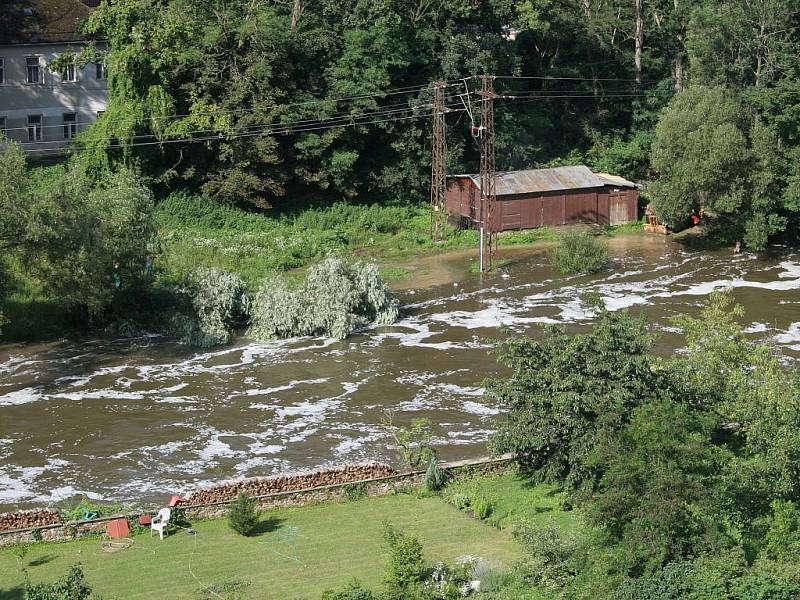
x,y
29,518
290,482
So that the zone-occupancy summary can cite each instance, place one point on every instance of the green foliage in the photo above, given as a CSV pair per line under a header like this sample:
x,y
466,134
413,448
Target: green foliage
x,y
579,252
569,395
406,570
84,242
712,156
76,512
335,299
549,556
243,514
352,591
413,442
685,478
482,507
220,302
71,586
435,477
355,491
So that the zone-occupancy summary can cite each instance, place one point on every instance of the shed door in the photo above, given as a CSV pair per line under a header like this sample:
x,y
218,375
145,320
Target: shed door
x,y
512,214
617,208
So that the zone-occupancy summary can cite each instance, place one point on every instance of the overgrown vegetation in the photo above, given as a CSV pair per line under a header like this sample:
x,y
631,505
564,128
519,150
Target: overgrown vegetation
x,y
579,252
681,466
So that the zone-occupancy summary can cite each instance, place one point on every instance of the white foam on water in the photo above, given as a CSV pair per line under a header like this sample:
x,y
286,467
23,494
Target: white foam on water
x,y
479,409
23,396
214,449
756,328
281,388
789,336
106,394
452,388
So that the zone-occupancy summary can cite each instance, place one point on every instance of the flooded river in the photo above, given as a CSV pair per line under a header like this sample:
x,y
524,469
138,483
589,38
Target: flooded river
x,y
135,420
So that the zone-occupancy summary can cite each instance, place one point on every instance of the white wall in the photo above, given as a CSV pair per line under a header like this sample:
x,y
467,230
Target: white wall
x,y
51,99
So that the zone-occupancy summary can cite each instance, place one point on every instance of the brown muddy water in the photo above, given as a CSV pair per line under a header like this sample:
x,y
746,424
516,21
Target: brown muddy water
x,y
133,420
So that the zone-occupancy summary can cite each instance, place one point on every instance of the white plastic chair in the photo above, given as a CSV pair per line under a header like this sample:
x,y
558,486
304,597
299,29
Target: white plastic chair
x,y
160,522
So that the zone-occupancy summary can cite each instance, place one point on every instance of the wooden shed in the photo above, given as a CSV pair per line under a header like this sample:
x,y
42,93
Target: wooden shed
x,y
538,197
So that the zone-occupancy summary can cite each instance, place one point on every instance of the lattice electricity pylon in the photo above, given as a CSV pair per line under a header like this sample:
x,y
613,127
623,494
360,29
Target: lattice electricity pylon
x,y
438,166
488,175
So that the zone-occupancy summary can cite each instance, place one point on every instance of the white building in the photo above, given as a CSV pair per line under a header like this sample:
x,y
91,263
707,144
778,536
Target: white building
x,y
40,109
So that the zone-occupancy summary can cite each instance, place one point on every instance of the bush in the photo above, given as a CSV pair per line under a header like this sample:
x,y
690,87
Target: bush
x,y
435,477
335,299
405,568
549,558
460,500
579,252
70,587
352,591
220,301
243,515
482,507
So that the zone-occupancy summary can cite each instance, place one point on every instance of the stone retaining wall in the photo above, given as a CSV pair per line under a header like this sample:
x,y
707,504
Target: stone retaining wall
x,y
387,481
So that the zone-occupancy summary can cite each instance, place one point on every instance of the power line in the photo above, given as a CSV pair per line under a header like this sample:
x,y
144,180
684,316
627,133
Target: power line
x,y
243,135
256,128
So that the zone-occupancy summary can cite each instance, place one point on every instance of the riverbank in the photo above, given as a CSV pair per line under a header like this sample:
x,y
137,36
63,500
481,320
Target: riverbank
x,y
196,232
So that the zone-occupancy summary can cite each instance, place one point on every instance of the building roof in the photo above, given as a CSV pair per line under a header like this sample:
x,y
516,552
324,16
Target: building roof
x,y
43,21
609,179
550,180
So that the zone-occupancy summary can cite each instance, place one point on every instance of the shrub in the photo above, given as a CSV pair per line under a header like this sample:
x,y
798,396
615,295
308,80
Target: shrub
x,y
579,252
336,298
435,477
352,591
71,586
355,491
219,301
482,507
549,557
405,568
243,515
460,500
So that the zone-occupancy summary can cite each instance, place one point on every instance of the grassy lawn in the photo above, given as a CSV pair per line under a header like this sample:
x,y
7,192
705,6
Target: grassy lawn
x,y
301,552
514,498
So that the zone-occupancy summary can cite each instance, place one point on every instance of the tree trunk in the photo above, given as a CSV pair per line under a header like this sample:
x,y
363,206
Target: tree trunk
x,y
638,39
678,74
297,10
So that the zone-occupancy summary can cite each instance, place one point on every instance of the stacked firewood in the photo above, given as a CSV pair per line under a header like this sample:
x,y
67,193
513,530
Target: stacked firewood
x,y
291,482
29,518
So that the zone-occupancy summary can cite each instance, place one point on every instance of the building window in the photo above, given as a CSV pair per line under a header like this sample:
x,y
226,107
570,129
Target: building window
x,y
2,71
70,73
100,70
70,121
33,71
34,128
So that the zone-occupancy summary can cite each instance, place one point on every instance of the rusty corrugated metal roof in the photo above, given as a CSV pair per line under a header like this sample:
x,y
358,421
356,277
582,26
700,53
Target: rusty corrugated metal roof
x,y
542,180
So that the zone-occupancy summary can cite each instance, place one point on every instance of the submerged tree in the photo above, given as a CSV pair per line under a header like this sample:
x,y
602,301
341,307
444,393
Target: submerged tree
x,y
335,299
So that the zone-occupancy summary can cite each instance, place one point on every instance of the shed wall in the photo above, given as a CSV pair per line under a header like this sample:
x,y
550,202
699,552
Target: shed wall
x,y
605,206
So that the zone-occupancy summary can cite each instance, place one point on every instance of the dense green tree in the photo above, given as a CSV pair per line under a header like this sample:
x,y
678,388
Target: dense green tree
x,y
712,156
86,243
570,394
